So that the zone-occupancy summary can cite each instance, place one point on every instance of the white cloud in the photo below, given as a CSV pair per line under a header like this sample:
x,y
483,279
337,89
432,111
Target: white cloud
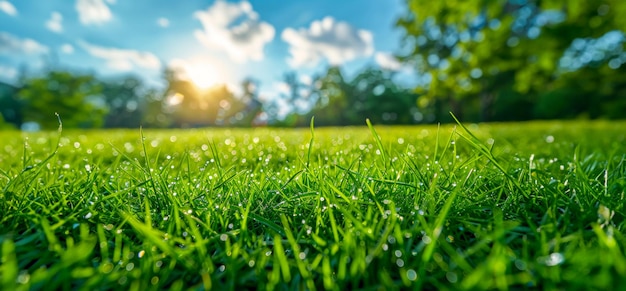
x,y
67,48
122,59
93,11
234,28
8,8
387,61
335,41
14,45
306,80
8,72
55,22
282,88
163,22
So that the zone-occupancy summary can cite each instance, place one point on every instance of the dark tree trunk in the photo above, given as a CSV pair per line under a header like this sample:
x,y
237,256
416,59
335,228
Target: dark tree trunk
x,y
486,106
456,106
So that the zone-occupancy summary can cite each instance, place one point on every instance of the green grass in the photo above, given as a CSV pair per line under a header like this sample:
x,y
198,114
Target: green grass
x,y
493,206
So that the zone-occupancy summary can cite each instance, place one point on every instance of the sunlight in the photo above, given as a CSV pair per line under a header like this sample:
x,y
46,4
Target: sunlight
x,y
175,99
202,75
201,72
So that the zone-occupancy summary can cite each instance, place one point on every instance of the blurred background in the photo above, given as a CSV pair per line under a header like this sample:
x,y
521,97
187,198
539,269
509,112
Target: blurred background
x,y
158,63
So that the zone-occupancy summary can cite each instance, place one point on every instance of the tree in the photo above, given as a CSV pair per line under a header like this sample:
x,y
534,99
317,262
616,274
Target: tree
x,y
125,99
10,106
156,112
376,96
75,97
250,106
371,94
331,98
476,51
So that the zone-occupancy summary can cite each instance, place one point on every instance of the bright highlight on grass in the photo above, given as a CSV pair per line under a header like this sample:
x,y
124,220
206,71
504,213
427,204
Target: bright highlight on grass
x,y
469,207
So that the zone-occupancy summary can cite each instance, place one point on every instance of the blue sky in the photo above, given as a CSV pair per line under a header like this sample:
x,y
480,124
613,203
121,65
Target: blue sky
x,y
211,41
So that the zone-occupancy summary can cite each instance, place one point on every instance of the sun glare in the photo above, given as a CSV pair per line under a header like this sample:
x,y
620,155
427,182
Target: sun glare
x,y
203,75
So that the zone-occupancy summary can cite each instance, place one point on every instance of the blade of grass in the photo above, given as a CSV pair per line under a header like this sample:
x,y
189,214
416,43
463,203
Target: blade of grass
x,y
379,143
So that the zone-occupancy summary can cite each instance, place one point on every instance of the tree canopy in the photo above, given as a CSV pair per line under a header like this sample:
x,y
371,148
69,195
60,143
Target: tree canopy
x,y
72,96
486,51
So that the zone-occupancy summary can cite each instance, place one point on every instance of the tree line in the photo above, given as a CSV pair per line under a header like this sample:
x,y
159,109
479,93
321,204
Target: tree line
x,y
85,101
500,60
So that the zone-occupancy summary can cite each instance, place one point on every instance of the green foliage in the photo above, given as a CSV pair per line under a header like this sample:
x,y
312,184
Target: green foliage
x,y
332,105
371,94
476,51
10,107
125,99
73,97
536,205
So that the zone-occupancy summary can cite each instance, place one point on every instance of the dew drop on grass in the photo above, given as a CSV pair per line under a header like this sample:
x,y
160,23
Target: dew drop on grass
x,y
222,268
400,263
141,254
251,263
411,275
552,260
23,277
89,215
106,268
521,265
130,267
223,237
452,277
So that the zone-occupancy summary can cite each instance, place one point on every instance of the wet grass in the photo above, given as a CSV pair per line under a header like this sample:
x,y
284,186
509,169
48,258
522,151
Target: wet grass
x,y
535,205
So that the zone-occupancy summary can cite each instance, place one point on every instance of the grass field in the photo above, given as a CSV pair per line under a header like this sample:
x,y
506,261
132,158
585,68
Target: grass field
x,y
536,205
